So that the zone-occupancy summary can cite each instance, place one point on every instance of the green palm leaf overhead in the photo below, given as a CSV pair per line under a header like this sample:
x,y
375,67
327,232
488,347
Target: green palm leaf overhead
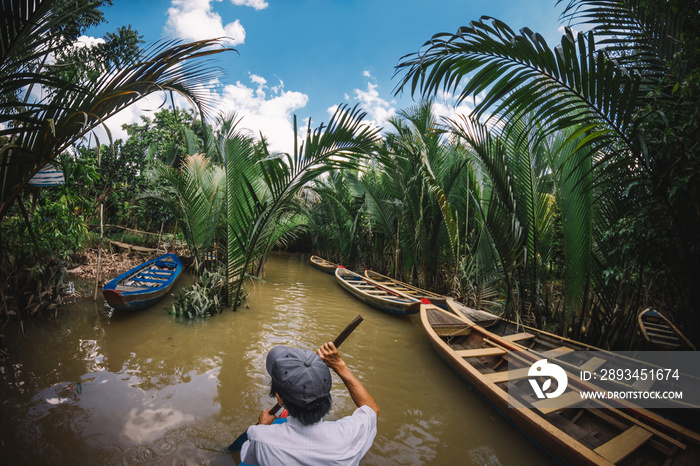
x,y
40,128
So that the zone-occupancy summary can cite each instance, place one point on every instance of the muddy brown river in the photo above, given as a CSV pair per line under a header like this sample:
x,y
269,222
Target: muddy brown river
x,y
141,388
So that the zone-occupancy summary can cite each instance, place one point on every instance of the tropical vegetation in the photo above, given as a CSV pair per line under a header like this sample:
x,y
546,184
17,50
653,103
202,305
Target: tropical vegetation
x,y
616,101
567,199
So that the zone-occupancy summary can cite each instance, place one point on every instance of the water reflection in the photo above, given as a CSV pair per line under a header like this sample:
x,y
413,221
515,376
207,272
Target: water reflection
x,y
140,388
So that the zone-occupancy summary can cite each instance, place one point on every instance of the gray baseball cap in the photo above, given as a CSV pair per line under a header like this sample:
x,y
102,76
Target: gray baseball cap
x,y
301,376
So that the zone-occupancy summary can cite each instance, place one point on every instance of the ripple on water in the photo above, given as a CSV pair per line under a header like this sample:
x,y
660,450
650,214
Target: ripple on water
x,y
484,455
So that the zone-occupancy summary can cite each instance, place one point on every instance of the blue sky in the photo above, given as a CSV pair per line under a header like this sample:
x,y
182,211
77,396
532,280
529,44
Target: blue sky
x,y
304,57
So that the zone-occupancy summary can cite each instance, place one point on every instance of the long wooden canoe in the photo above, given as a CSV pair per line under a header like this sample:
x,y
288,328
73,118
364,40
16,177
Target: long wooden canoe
x,y
323,265
604,435
143,285
660,332
576,357
375,294
407,288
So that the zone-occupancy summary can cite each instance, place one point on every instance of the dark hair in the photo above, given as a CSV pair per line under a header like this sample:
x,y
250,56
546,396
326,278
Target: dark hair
x,y
309,414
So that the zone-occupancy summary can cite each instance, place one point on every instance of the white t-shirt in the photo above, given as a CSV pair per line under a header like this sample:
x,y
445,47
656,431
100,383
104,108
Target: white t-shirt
x,y
341,442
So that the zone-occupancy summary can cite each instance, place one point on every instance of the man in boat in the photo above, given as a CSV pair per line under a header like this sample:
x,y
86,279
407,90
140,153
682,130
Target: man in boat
x,y
301,382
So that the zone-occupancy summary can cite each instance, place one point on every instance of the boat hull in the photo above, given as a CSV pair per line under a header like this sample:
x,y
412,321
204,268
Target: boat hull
x,y
144,285
457,340
407,289
323,265
374,295
659,332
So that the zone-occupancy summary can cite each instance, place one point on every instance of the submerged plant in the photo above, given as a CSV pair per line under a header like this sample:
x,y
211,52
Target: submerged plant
x,y
202,299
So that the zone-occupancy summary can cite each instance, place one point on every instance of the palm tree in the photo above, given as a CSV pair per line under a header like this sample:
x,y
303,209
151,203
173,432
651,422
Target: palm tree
x,y
262,188
335,216
601,88
195,195
38,129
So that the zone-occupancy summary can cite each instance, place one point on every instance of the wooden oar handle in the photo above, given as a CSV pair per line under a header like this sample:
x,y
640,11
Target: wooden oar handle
x,y
337,342
348,330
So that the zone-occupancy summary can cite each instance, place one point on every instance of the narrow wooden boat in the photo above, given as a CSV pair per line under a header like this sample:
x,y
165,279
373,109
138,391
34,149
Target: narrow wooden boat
x,y
143,285
374,294
660,332
603,435
323,265
575,356
407,288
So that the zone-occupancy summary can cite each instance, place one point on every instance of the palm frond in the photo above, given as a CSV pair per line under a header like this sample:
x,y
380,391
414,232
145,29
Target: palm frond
x,y
519,74
638,34
42,127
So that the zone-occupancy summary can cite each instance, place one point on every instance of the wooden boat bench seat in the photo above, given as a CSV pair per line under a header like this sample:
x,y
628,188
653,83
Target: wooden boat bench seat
x,y
506,376
556,352
164,275
479,352
592,364
126,288
518,337
618,448
551,405
148,280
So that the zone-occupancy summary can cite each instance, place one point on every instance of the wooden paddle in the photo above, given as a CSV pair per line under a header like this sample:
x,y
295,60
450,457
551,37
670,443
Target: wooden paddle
x,y
238,443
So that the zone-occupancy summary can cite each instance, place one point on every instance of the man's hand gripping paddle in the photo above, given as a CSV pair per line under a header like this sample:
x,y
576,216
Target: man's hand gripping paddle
x,y
238,443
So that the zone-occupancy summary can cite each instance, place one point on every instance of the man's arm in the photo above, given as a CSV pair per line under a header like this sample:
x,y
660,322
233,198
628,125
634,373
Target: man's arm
x,y
330,356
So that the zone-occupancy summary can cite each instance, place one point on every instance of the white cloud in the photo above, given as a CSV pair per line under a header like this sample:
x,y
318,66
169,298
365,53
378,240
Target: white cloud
x,y
379,111
262,108
257,4
87,41
132,114
270,114
366,74
195,20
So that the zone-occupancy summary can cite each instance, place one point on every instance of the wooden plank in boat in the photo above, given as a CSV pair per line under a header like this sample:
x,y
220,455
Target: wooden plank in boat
x,y
643,385
121,287
659,336
660,328
592,364
551,405
620,424
518,336
506,376
149,280
479,352
618,448
556,352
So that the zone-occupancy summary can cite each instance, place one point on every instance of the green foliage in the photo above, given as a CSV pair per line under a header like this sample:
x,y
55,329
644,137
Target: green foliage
x,y
33,264
41,128
29,284
59,232
194,194
203,299
624,95
262,189
89,62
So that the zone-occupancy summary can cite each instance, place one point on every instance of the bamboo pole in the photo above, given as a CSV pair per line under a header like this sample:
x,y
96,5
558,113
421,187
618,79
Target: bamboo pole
x,y
102,232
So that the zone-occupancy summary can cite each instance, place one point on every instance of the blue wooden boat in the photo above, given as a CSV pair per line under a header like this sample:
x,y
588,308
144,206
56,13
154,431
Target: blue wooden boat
x,y
143,285
660,333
